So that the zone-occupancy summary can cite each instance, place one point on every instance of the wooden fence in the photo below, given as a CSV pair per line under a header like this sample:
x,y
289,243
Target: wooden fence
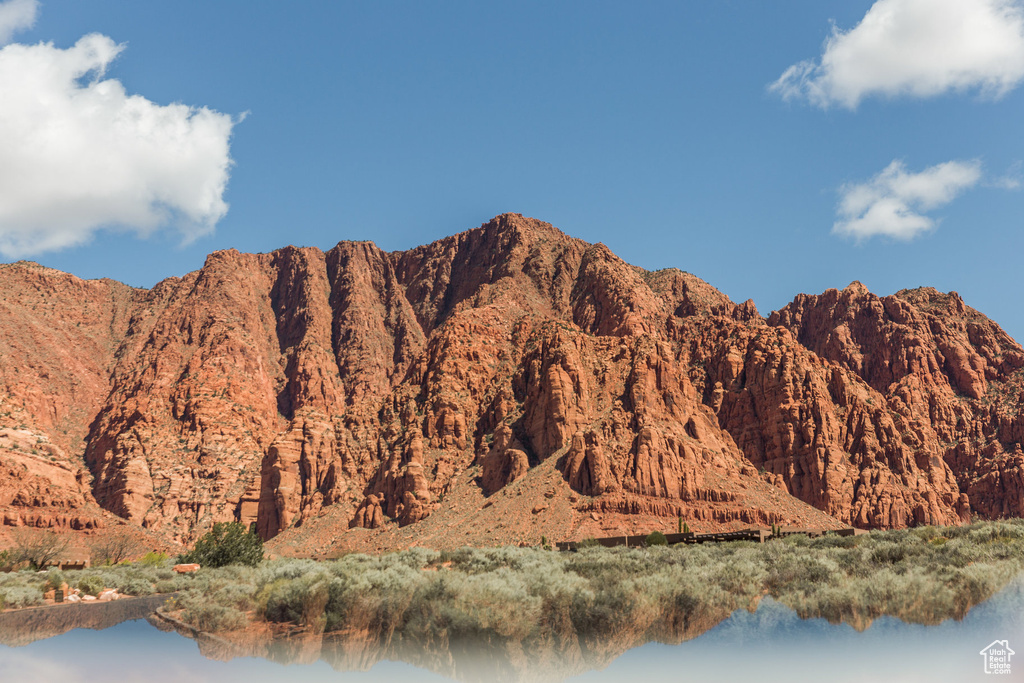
x,y
756,535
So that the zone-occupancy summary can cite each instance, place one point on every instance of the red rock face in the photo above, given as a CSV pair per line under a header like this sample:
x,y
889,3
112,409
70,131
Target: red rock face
x,y
951,373
497,385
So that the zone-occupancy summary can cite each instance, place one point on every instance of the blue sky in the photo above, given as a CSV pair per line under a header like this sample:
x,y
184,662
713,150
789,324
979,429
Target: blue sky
x,y
652,127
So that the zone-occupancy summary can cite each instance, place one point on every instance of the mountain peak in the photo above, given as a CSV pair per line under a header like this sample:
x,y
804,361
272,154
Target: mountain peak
x,y
509,381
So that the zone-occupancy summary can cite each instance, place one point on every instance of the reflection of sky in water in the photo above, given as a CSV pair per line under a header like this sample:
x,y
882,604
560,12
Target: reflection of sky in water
x,y
776,645
772,644
135,651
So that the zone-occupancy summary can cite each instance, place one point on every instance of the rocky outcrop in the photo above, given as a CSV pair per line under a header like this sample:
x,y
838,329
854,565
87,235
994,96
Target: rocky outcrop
x,y
938,366
505,462
586,467
509,369
821,432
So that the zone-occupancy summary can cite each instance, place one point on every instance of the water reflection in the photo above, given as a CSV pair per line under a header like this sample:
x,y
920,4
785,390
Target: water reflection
x,y
769,644
22,627
774,644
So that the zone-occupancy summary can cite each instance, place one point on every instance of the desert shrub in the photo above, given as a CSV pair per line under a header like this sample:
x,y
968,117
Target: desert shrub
x,y
416,558
135,586
105,577
656,538
461,558
993,532
238,595
480,606
128,579
153,559
287,569
55,579
288,596
213,617
282,600
91,584
797,571
21,596
227,543
888,553
740,573
952,532
6,562
507,593
171,585
374,599
834,541
590,542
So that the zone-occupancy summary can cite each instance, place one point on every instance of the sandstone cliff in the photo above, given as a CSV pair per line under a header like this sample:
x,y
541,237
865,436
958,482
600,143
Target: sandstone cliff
x,y
498,385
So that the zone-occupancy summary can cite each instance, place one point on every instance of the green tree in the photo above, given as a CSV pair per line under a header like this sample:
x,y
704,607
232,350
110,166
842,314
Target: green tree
x,y
227,543
656,538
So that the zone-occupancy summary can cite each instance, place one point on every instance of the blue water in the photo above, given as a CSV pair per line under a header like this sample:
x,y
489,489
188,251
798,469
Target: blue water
x,y
772,644
136,651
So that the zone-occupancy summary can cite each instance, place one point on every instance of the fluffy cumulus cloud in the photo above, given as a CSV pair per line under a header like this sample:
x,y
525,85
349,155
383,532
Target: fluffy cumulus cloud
x,y
16,15
78,153
895,201
918,48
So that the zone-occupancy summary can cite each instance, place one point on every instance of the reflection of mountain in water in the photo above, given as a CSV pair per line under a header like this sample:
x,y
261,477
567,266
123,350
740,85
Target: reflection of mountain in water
x,y
770,638
562,653
21,627
775,644
460,656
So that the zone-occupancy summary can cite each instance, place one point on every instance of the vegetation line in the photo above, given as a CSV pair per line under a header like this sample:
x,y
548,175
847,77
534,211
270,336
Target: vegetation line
x,y
922,575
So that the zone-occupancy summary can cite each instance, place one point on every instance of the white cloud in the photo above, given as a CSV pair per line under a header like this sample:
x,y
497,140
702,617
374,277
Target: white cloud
x,y
894,202
920,48
1011,180
16,15
78,153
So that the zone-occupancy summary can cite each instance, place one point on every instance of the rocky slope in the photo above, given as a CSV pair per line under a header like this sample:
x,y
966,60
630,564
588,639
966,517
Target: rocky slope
x,y
498,385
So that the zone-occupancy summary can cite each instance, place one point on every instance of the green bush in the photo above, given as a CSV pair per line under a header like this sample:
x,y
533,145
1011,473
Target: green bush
x,y
55,579
171,585
213,617
91,584
135,586
656,538
153,559
301,601
227,543
21,596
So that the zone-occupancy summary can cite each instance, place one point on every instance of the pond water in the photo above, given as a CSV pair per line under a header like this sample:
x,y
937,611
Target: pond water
x,y
771,644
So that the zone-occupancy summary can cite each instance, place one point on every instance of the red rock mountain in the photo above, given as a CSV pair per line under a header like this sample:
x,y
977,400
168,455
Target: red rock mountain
x,y
495,386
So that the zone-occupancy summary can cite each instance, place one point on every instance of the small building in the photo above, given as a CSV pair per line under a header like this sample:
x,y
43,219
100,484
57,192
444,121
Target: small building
x,y
71,560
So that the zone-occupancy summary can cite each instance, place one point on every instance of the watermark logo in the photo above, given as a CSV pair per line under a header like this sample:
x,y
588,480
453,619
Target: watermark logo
x,y
997,657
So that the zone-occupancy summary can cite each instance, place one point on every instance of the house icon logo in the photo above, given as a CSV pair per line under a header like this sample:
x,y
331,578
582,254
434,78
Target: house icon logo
x,y
997,657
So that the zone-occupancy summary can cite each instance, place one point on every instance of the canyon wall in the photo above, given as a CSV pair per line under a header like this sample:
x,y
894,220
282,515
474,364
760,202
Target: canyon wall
x,y
506,376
